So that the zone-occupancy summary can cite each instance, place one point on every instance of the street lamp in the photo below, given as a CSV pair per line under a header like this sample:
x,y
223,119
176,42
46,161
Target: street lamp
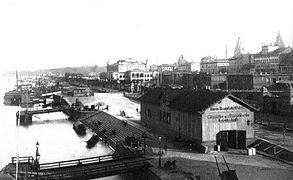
x,y
37,158
160,150
144,136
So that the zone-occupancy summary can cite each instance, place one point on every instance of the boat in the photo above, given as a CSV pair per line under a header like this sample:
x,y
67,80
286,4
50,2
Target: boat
x,y
79,128
92,141
133,96
12,98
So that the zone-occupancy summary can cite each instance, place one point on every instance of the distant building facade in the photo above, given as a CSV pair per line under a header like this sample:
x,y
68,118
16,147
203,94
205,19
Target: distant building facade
x,y
165,68
196,81
279,98
189,67
269,59
127,65
210,65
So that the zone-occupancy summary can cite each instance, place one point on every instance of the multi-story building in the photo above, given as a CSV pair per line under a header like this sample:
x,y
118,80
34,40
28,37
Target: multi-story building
x,y
286,63
124,70
188,67
269,59
138,76
242,63
166,68
127,65
210,65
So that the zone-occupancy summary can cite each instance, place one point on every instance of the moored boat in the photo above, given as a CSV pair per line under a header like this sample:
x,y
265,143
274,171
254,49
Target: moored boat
x,y
92,141
79,128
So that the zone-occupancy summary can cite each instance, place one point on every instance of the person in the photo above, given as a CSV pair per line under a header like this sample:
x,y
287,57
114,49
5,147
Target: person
x,y
107,107
136,109
165,146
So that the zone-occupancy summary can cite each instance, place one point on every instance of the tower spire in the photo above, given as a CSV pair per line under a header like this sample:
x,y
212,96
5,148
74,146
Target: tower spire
x,y
226,54
238,48
279,41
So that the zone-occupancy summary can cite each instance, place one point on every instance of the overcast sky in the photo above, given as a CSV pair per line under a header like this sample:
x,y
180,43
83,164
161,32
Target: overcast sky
x,y
38,34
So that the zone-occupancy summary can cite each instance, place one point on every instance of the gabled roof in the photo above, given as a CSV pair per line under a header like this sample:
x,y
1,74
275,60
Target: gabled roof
x,y
189,100
154,95
198,101
195,101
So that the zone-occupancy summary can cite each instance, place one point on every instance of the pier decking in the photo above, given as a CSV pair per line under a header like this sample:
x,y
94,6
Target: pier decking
x,y
111,124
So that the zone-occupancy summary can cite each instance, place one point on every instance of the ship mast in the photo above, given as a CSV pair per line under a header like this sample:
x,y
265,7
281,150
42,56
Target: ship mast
x,y
16,80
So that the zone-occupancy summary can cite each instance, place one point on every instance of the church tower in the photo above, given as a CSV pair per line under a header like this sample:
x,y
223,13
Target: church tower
x,y
279,41
181,60
238,49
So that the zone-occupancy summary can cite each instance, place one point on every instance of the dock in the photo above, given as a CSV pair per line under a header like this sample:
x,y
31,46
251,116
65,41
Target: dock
x,y
102,121
25,116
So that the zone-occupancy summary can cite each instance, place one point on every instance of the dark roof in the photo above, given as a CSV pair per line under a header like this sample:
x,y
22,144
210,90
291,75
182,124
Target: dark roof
x,y
154,95
195,101
189,100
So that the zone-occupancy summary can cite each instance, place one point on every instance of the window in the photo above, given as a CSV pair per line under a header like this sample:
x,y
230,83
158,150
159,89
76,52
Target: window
x,y
165,117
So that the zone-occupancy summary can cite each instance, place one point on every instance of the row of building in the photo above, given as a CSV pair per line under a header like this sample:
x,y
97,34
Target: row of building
x,y
272,59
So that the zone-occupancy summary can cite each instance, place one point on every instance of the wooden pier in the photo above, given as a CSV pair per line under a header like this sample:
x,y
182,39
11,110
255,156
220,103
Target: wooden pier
x,y
105,125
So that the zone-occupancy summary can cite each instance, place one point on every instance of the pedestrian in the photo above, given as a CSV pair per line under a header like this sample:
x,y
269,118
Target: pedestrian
x,y
136,109
165,146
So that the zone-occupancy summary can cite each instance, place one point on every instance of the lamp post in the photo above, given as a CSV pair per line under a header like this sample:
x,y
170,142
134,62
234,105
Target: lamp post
x,y
160,150
37,159
144,136
284,135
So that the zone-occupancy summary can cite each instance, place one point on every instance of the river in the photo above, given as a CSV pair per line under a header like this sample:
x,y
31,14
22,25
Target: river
x,y
58,141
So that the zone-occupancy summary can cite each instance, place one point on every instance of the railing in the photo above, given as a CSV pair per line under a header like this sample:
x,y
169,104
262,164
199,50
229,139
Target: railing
x,y
102,171
47,110
23,159
90,160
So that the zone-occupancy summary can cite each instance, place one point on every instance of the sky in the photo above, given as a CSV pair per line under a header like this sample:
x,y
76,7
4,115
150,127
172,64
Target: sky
x,y
42,34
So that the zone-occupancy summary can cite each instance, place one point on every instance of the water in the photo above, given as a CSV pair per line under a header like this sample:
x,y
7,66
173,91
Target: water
x,y
58,141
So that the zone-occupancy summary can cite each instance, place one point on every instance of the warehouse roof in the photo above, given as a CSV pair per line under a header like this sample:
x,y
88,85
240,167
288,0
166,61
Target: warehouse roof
x,y
154,95
198,101
189,100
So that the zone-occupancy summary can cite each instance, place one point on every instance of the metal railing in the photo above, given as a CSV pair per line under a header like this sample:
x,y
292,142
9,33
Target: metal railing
x,y
90,160
23,159
103,170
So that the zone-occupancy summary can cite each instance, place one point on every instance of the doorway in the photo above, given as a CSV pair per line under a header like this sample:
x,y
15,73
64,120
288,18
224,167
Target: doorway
x,y
235,139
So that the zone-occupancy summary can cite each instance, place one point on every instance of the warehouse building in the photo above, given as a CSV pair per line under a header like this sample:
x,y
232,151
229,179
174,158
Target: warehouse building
x,y
204,116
